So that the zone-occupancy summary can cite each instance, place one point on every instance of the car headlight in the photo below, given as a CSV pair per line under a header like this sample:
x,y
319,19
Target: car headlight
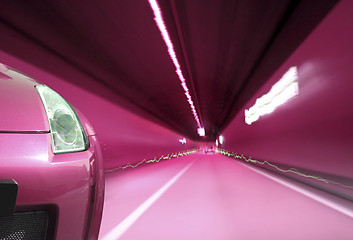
x,y
66,129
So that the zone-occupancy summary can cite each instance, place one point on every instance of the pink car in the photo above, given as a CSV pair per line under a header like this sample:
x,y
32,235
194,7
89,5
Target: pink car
x,y
51,173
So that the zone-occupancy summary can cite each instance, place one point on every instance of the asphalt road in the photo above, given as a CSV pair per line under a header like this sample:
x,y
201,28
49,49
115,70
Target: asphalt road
x,y
210,196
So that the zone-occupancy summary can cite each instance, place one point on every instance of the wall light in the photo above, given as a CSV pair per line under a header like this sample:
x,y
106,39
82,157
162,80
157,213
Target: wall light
x,y
182,141
286,88
221,139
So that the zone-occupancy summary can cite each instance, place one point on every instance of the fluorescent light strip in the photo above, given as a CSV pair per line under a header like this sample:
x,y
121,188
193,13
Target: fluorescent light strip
x,y
155,160
163,29
275,167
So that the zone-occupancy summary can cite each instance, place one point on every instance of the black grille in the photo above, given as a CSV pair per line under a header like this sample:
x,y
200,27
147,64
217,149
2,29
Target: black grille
x,y
24,226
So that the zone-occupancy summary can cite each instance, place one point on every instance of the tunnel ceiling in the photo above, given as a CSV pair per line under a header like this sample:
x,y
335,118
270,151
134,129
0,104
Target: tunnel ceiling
x,y
226,49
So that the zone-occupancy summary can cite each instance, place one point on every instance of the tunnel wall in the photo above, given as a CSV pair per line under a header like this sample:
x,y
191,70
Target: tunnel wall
x,y
314,130
125,137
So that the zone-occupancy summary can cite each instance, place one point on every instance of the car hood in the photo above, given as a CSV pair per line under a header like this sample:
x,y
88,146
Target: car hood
x,y
21,107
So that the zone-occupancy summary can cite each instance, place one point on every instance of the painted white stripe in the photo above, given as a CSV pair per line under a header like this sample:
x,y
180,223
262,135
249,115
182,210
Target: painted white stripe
x,y
121,228
340,205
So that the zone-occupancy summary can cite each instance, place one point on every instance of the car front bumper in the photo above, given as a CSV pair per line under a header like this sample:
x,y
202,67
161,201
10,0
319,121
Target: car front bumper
x,y
69,187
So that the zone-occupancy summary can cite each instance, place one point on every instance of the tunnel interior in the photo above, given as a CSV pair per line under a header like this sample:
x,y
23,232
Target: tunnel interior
x,y
111,60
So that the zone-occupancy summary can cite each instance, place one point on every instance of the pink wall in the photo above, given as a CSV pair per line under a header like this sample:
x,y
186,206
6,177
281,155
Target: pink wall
x,y
125,137
315,129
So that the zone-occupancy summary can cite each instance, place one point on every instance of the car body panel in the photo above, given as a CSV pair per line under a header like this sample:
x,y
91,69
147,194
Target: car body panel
x,y
69,186
20,105
63,180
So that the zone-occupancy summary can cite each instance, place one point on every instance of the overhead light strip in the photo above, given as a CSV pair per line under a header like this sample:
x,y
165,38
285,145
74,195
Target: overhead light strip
x,y
163,29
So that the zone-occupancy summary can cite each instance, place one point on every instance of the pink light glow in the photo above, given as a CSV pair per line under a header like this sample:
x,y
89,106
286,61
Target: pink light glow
x,y
163,29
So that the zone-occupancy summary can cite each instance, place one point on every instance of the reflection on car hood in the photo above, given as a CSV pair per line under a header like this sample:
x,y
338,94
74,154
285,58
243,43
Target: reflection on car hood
x,y
21,109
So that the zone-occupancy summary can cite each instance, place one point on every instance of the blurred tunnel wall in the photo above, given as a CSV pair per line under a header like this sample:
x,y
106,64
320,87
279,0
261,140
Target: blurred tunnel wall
x,y
125,137
314,130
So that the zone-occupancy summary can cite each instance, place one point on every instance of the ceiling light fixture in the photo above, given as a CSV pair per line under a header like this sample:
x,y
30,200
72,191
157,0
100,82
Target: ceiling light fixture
x,y
163,29
201,131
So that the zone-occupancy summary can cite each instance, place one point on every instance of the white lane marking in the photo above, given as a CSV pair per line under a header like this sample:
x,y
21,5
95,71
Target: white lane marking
x,y
122,227
340,205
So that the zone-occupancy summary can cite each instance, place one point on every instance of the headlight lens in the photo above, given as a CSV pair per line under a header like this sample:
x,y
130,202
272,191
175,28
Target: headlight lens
x,y
66,129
